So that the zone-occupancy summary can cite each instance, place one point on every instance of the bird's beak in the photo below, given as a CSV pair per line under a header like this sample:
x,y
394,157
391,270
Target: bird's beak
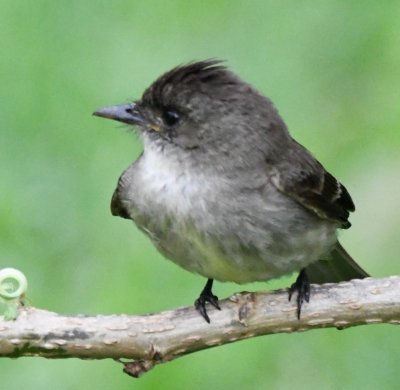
x,y
125,113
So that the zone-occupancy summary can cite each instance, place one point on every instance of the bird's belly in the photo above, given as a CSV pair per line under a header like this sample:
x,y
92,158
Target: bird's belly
x,y
214,261
229,259
221,229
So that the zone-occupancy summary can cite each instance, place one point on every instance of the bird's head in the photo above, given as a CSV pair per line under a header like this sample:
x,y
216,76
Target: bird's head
x,y
201,105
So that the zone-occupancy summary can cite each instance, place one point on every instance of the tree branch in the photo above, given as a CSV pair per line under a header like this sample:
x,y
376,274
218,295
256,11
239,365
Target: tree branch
x,y
159,338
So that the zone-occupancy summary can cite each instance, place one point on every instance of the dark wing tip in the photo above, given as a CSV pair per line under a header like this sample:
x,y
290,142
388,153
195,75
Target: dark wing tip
x,y
346,225
322,194
345,199
339,198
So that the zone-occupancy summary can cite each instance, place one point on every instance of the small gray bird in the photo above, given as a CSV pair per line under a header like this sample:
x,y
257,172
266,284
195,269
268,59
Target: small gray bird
x,y
224,191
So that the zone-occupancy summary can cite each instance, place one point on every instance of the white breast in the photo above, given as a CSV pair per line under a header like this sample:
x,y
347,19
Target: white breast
x,y
211,226
177,188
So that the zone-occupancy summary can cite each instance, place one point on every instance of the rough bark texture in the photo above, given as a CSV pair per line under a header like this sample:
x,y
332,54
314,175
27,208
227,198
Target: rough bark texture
x,y
161,337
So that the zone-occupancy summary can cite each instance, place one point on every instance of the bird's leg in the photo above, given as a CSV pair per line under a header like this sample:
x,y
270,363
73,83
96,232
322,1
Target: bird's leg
x,y
302,286
206,296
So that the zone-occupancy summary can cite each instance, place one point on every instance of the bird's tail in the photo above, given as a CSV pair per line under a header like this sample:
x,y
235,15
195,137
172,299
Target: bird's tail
x,y
338,267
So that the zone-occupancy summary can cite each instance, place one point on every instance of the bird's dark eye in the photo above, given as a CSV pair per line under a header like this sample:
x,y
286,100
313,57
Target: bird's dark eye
x,y
170,117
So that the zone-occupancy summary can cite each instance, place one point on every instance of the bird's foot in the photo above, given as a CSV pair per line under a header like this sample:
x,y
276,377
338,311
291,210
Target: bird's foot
x,y
206,296
302,286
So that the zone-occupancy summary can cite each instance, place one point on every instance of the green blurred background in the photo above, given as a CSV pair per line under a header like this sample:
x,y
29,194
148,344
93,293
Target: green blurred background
x,y
332,68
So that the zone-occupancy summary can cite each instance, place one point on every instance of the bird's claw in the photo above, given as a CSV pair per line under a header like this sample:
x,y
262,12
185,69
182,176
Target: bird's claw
x,y
206,296
302,286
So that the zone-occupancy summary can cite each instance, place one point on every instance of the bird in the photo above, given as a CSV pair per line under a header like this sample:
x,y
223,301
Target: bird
x,y
224,191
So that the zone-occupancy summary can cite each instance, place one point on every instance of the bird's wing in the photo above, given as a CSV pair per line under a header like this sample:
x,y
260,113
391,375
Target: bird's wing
x,y
118,207
300,176
305,180
119,201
